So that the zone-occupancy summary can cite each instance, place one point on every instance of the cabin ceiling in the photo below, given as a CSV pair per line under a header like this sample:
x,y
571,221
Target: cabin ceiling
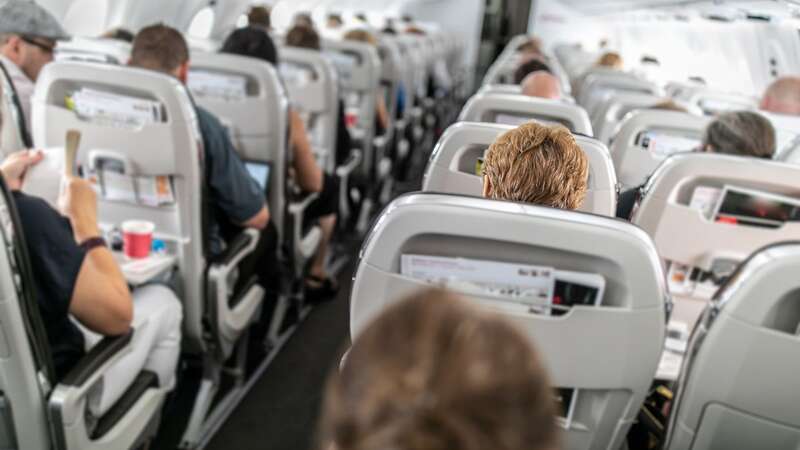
x,y
602,7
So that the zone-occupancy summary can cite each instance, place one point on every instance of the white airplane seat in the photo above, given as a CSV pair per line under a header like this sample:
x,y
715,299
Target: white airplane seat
x,y
787,136
713,101
646,137
37,410
147,129
249,96
100,50
608,361
313,87
596,83
517,109
614,108
452,166
738,388
709,212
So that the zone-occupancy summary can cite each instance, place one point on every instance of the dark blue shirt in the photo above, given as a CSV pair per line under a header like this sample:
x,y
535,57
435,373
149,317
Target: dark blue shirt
x,y
56,260
235,196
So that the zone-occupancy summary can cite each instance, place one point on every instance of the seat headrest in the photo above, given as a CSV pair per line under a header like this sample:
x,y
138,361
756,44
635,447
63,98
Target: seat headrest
x,y
485,107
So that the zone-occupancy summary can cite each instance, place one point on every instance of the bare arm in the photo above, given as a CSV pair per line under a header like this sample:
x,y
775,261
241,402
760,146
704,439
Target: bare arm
x,y
101,300
259,221
309,175
381,111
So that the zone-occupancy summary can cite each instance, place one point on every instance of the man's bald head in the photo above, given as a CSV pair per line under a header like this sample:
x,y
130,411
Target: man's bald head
x,y
541,84
782,96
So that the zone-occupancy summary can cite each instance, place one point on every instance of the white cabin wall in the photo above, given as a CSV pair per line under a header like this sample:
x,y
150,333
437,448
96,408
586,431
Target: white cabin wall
x,y
733,56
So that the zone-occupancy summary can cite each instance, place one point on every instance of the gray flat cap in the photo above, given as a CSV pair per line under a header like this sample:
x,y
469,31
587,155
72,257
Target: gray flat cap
x,y
28,18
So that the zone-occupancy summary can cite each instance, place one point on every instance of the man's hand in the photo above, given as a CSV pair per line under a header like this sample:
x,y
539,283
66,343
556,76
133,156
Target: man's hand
x,y
78,202
16,166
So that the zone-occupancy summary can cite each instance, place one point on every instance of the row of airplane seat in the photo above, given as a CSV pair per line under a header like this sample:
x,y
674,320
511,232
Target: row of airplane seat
x,y
689,287
205,190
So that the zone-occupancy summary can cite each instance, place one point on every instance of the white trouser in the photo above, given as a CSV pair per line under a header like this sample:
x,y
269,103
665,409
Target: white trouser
x,y
157,316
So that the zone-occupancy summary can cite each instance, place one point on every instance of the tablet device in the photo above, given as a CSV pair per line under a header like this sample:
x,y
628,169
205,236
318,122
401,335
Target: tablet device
x,y
260,171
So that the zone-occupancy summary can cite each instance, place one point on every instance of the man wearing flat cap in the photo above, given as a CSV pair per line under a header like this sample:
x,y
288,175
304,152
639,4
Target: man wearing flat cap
x,y
28,35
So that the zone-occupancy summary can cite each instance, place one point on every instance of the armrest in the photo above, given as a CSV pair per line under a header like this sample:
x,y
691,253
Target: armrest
x,y
297,208
99,355
352,163
238,245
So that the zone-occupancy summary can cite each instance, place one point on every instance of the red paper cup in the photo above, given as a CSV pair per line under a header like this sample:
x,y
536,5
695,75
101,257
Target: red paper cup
x,y
137,238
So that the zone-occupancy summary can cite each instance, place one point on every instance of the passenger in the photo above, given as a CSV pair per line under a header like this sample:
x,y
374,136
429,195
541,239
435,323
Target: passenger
x,y
320,285
536,164
76,276
28,36
304,37
782,96
738,133
259,16
543,85
303,19
433,372
381,112
611,60
528,67
532,47
334,21
669,105
236,200
120,34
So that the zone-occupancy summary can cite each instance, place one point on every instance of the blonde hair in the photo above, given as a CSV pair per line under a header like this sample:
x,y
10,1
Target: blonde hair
x,y
433,372
361,36
537,164
610,59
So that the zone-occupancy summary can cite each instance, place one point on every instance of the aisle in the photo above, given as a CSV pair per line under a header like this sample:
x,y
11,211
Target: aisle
x,y
280,412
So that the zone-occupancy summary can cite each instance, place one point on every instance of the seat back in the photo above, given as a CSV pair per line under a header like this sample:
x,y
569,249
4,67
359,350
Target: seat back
x,y
645,138
610,357
452,166
787,136
751,329
391,77
110,51
683,222
359,69
516,109
313,87
26,360
246,94
614,108
168,145
711,101
597,83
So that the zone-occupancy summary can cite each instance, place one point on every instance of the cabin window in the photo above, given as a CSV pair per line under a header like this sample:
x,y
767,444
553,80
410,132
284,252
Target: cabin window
x,y
202,23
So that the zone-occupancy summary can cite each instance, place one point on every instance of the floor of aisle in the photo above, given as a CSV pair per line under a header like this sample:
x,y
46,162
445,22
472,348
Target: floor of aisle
x,y
281,410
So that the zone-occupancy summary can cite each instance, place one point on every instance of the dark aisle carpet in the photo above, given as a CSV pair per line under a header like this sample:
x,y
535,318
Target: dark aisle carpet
x,y
281,410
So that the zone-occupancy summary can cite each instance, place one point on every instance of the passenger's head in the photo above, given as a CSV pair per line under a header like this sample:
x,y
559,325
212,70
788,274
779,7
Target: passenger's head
x,y
782,96
120,34
253,42
528,67
740,133
611,60
536,164
334,21
28,36
432,372
531,46
259,16
163,49
303,37
541,84
669,105
359,35
304,19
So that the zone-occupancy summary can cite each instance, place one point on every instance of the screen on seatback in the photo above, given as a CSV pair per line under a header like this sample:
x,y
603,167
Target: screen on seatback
x,y
260,172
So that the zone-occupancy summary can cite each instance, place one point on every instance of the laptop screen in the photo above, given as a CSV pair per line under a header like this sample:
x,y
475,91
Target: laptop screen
x,y
260,171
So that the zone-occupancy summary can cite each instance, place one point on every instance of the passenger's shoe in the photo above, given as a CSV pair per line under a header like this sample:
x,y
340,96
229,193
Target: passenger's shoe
x,y
320,289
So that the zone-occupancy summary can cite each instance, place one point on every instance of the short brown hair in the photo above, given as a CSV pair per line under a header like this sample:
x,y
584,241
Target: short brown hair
x,y
303,37
259,16
159,47
359,35
537,164
433,372
610,59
